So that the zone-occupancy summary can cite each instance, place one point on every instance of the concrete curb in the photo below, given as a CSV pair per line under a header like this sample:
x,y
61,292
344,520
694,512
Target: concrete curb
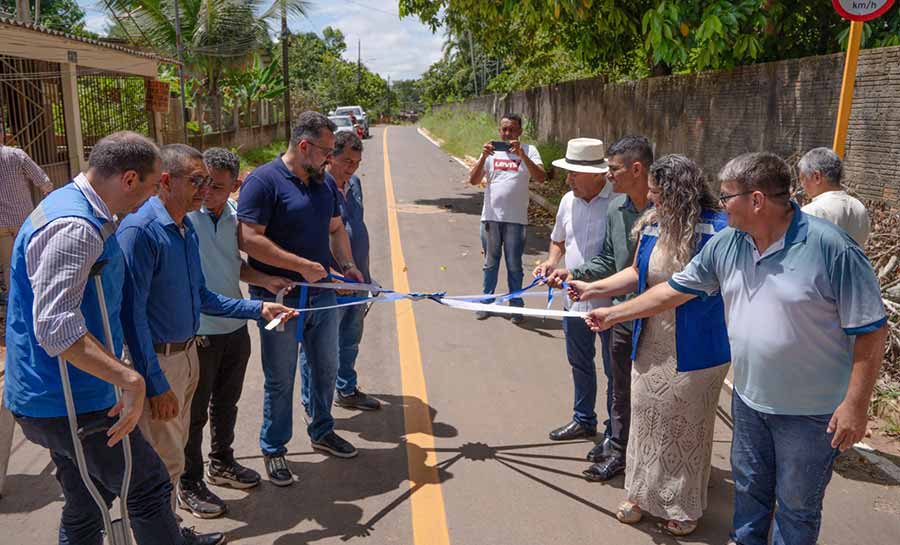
x,y
535,198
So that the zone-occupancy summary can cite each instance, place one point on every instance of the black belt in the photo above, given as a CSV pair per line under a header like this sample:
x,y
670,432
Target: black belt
x,y
172,348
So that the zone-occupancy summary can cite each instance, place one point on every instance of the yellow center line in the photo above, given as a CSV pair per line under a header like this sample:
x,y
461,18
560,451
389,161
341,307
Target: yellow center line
x,y
427,503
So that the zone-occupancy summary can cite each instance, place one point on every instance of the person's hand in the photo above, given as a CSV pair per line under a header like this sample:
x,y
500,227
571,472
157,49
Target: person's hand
x,y
129,408
556,278
543,270
487,149
164,406
579,290
313,272
275,284
354,274
848,424
598,319
270,311
515,147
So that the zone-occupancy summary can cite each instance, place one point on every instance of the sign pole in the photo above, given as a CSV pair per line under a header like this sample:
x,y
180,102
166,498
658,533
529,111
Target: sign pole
x,y
846,101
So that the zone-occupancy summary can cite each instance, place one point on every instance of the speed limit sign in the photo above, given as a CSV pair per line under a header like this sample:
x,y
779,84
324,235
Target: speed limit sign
x,y
862,10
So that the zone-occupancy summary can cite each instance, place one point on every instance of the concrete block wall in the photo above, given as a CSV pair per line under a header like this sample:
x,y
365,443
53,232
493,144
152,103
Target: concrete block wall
x,y
786,107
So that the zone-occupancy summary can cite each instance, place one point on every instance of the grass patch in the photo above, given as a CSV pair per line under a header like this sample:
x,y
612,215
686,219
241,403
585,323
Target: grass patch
x,y
254,157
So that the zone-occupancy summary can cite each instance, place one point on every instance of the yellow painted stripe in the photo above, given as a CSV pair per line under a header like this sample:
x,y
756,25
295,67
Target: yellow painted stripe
x,y
427,503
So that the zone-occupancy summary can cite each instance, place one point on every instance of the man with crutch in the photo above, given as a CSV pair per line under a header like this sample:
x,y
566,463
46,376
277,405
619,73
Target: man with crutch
x,y
55,316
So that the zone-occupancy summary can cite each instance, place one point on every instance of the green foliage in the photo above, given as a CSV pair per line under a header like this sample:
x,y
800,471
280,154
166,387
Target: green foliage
x,y
62,15
254,157
461,133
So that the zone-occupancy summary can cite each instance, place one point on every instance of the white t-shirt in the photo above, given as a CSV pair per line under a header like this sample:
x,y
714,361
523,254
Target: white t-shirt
x,y
582,226
842,210
506,194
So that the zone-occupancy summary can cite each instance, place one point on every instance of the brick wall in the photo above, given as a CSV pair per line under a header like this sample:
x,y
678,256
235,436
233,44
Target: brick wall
x,y
785,107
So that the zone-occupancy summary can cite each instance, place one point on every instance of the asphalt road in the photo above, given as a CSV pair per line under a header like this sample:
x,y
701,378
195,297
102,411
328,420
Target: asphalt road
x,y
459,454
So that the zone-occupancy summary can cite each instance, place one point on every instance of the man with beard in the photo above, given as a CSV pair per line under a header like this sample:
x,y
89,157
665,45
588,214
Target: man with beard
x,y
290,226
164,294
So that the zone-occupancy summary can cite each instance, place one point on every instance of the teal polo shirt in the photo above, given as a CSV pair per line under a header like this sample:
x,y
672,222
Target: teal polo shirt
x,y
220,259
792,313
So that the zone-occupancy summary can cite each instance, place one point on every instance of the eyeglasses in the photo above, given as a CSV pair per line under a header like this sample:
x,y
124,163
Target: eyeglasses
x,y
725,198
327,150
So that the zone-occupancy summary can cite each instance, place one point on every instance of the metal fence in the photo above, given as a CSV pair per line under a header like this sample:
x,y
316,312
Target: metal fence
x,y
31,113
111,102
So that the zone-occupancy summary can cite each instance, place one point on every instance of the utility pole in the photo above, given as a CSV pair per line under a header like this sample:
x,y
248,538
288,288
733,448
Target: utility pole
x,y
37,12
358,67
474,66
184,108
285,71
23,11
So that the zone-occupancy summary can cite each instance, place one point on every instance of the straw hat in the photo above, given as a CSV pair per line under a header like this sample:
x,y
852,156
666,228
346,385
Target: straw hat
x,y
584,155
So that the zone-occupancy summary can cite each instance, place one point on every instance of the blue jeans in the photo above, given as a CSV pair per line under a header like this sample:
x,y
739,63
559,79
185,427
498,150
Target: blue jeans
x,y
318,368
581,348
350,332
149,496
780,458
497,236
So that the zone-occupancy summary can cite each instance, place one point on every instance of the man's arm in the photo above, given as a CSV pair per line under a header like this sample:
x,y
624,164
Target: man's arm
x,y
476,174
254,277
848,423
36,175
535,170
554,255
252,239
341,249
659,298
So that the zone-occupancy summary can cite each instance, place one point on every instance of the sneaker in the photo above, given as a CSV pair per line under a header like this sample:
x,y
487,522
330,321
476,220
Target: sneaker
x,y
482,315
231,474
193,538
334,445
279,473
357,400
196,498
517,319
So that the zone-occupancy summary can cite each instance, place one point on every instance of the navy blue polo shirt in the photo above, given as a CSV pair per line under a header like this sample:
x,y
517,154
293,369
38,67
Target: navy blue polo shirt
x,y
297,216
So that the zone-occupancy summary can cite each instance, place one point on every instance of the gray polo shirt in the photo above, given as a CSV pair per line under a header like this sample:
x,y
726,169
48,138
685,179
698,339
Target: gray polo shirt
x,y
792,312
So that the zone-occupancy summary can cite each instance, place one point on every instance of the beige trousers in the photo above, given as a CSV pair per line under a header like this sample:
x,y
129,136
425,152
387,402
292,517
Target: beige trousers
x,y
7,238
169,438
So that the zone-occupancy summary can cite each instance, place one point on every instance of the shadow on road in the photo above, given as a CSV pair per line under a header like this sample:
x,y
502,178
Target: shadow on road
x,y
328,487
27,493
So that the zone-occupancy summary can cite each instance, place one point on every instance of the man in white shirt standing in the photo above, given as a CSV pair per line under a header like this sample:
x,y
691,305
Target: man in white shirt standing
x,y
577,236
505,212
820,175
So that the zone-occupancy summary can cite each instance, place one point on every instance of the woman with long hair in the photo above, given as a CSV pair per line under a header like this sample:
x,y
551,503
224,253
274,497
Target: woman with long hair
x,y
680,357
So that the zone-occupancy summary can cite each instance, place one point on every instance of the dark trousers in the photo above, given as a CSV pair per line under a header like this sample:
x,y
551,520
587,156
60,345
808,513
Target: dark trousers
x,y
223,364
581,349
620,354
149,496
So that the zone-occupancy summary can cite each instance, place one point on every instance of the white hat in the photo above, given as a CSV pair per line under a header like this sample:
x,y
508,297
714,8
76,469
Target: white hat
x,y
584,155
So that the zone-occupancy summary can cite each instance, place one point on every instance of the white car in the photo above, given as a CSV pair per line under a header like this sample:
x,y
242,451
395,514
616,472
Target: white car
x,y
357,112
343,122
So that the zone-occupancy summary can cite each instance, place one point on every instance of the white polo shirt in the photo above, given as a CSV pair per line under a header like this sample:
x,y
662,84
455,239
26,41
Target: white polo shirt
x,y
581,225
845,211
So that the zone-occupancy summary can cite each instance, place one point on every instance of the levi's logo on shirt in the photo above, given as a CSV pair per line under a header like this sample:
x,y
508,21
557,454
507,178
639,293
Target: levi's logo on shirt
x,y
506,164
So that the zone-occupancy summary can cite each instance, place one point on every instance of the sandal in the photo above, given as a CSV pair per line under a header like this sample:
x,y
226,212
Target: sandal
x,y
629,513
680,527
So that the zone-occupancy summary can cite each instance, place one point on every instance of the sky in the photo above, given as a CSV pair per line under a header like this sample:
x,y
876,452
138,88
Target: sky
x,y
392,47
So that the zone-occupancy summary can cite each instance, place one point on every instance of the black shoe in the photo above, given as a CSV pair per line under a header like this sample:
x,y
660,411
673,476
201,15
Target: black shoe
x,y
603,450
231,474
482,315
572,430
357,400
517,319
334,445
196,498
605,470
279,473
193,538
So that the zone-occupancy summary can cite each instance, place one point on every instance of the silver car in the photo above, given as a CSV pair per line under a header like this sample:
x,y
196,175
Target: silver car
x,y
357,112
343,123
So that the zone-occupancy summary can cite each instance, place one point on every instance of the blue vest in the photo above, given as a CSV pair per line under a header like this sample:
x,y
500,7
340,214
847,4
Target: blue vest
x,y
33,386
701,338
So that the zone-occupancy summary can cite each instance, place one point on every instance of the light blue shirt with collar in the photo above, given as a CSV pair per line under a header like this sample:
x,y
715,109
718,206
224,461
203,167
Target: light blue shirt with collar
x,y
220,259
792,313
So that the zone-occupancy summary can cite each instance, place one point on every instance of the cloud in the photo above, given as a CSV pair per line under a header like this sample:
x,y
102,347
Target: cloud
x,y
96,22
391,46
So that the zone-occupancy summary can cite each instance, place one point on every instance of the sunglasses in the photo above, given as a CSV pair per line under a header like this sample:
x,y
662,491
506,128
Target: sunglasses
x,y
200,181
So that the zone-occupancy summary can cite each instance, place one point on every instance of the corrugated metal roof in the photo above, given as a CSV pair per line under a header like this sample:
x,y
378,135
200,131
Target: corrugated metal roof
x,y
98,43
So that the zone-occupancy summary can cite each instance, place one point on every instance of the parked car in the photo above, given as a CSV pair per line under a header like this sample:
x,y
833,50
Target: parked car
x,y
343,122
357,112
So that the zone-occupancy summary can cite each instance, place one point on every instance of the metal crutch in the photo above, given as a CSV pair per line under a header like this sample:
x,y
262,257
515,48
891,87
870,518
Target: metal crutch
x,y
118,532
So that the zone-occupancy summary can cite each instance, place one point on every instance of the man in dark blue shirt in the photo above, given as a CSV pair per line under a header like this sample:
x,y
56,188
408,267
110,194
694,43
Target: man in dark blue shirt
x,y
290,226
164,294
347,155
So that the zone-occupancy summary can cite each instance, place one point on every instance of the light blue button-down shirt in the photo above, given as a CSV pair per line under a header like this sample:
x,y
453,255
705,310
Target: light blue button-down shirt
x,y
791,313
